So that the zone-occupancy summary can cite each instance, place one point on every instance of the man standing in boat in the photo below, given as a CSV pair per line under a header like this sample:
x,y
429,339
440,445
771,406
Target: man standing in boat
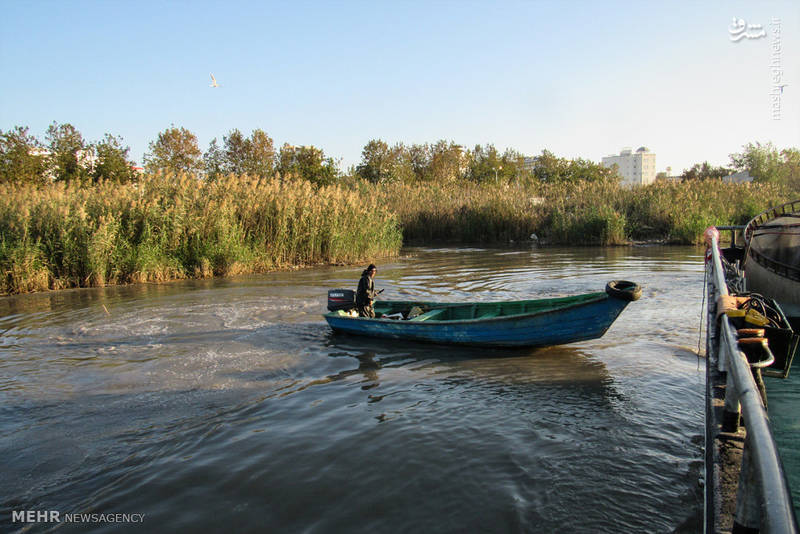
x,y
365,295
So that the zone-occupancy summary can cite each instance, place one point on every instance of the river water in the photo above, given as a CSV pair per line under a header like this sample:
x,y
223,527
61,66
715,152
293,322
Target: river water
x,y
228,405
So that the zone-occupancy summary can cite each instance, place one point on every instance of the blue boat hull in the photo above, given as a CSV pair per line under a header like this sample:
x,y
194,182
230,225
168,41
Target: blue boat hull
x,y
589,320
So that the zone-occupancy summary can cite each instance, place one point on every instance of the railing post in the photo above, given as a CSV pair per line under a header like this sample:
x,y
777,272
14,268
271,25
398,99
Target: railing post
x,y
747,519
731,413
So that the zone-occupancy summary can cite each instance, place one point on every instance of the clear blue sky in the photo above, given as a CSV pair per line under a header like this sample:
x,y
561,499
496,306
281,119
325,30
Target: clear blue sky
x,y
582,79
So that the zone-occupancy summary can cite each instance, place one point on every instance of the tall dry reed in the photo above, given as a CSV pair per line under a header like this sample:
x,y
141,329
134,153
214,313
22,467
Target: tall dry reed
x,y
168,227
582,213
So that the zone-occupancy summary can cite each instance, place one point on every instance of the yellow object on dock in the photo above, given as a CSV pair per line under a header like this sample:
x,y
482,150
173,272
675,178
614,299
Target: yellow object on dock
x,y
753,317
729,305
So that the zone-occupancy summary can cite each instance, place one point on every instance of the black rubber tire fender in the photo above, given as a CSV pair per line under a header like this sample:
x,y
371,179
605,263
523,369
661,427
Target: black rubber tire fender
x,y
625,290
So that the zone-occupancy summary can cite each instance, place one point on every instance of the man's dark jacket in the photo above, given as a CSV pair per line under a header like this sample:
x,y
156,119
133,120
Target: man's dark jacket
x,y
366,290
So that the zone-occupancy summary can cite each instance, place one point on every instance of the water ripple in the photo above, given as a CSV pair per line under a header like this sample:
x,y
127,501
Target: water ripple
x,y
229,402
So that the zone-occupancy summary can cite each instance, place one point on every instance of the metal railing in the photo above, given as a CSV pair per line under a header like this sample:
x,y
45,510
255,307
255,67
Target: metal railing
x,y
734,230
772,213
763,501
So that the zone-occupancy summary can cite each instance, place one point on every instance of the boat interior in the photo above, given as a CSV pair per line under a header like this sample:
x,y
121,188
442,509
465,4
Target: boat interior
x,y
433,311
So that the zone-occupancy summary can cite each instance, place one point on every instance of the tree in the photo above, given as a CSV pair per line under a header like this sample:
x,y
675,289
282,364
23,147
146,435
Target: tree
x,y
402,169
513,164
419,159
112,161
214,160
447,161
235,152
584,170
791,163
704,171
484,164
308,163
261,160
766,164
254,155
377,161
175,151
70,158
549,168
22,158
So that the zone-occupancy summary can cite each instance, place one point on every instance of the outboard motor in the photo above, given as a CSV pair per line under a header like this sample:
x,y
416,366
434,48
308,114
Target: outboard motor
x,y
341,299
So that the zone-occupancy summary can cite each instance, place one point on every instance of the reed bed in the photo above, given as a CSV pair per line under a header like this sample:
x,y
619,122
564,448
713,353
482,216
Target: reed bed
x,y
168,227
581,213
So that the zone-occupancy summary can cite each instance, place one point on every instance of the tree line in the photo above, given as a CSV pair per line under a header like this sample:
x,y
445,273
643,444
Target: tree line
x,y
764,162
63,156
176,151
66,156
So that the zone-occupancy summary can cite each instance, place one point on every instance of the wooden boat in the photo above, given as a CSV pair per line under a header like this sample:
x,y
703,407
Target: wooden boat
x,y
772,265
520,323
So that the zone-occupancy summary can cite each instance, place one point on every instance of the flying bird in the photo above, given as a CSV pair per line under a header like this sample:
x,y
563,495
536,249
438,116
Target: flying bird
x,y
213,82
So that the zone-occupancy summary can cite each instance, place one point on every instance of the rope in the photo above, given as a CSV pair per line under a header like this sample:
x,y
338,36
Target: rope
x,y
702,307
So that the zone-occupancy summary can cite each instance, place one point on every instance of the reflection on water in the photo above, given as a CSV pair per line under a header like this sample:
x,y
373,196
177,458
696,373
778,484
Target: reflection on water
x,y
230,404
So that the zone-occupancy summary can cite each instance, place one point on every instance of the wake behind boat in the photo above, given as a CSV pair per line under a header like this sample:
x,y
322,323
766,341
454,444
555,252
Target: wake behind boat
x,y
518,323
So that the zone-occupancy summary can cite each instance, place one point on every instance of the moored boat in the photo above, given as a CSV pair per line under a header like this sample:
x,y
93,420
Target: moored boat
x,y
772,268
519,323
772,264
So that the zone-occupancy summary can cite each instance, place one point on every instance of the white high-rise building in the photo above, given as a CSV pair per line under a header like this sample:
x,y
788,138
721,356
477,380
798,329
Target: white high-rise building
x,y
636,168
